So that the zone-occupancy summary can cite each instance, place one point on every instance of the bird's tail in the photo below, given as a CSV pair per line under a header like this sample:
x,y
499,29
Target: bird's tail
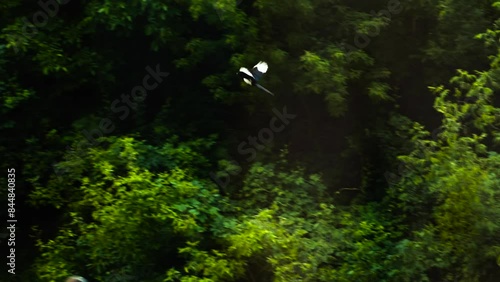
x,y
262,87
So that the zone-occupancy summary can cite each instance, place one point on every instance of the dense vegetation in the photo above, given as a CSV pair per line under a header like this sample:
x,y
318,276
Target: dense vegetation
x,y
131,137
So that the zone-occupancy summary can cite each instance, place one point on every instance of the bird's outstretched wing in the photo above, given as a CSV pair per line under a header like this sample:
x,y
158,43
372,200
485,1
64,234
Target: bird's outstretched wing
x,y
262,87
259,69
246,71
246,75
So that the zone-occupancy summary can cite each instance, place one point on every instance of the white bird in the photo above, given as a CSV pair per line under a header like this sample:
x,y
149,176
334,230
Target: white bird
x,y
252,77
76,279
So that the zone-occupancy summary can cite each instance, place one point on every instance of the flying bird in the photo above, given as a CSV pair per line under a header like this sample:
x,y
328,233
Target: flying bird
x,y
252,77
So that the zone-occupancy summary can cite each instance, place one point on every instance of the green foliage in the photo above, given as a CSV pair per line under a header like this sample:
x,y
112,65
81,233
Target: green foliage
x,y
278,234
125,216
290,232
453,185
12,92
139,204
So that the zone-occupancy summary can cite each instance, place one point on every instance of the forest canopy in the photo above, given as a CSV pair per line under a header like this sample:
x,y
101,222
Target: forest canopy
x,y
139,155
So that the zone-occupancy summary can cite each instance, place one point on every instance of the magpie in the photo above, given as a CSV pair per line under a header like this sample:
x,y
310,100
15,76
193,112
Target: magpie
x,y
252,77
